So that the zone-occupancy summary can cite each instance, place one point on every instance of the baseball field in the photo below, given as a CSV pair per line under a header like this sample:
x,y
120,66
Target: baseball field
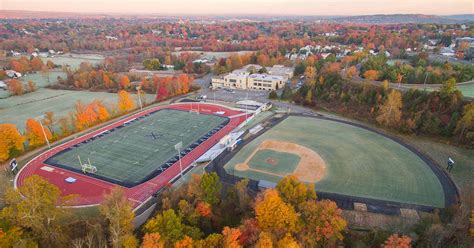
x,y
134,152
339,158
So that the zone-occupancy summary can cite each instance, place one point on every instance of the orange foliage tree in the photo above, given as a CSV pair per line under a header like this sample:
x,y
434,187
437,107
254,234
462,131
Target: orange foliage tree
x,y
125,102
231,237
16,87
152,240
124,82
34,133
11,141
371,75
90,114
396,241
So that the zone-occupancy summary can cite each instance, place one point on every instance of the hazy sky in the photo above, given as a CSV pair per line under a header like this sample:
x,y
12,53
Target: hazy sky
x,y
284,7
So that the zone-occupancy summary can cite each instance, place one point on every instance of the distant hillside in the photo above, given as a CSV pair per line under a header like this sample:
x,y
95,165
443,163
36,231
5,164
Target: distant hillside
x,y
405,18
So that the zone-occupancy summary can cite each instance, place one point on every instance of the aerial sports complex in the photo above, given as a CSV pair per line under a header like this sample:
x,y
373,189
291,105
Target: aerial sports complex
x,y
141,153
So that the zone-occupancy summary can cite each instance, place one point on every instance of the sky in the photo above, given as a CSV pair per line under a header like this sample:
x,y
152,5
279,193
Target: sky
x,y
258,7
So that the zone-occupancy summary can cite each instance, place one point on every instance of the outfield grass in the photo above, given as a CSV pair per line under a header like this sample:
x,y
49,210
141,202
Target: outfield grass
x,y
17,109
285,162
359,162
133,152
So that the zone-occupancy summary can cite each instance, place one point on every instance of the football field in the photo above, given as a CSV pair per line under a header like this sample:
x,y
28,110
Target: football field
x,y
142,148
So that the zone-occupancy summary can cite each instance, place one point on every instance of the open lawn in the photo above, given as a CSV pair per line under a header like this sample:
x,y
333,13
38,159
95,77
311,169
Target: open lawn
x,y
39,79
17,109
133,152
75,60
359,162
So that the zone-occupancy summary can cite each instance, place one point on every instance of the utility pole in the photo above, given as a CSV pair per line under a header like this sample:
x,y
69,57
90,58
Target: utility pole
x,y
139,97
44,132
178,147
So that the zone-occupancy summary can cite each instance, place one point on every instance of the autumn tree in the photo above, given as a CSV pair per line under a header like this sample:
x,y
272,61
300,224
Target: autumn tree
x,y
16,87
465,125
125,102
390,112
264,240
230,237
274,215
35,134
371,75
49,121
31,86
395,241
288,242
294,192
38,206
124,82
310,75
170,227
448,87
152,240
11,141
323,223
211,187
118,212
351,72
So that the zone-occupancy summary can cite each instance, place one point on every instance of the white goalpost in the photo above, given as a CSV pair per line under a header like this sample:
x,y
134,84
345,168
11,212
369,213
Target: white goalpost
x,y
87,168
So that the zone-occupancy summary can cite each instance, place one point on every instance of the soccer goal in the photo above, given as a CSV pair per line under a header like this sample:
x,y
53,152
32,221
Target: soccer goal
x,y
194,111
87,168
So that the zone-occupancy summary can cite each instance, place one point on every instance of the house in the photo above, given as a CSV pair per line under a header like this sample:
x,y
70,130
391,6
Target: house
x,y
3,85
13,74
325,55
446,51
14,53
108,37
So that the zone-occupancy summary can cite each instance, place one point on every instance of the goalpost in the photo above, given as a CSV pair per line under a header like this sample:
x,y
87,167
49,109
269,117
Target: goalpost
x,y
87,168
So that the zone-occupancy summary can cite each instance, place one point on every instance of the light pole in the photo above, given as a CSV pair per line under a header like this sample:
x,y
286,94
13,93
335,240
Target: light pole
x,y
44,132
139,97
178,147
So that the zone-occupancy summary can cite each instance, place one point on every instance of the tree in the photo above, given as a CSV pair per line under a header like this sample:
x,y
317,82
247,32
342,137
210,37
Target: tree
x,y
152,240
294,192
230,237
124,82
118,212
287,93
288,242
264,240
11,141
152,64
310,74
465,125
49,121
125,102
211,187
38,206
15,87
162,92
351,72
448,87
390,112
31,86
273,95
371,75
170,227
34,133
274,215
396,241
323,223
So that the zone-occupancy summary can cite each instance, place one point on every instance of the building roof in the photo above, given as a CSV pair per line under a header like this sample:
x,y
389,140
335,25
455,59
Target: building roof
x,y
266,76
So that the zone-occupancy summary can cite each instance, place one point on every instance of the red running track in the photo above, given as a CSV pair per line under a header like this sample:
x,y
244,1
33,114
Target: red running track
x,y
90,191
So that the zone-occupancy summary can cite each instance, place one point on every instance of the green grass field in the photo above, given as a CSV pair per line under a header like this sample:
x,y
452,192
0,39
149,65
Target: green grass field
x,y
285,163
359,162
131,153
75,60
17,109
